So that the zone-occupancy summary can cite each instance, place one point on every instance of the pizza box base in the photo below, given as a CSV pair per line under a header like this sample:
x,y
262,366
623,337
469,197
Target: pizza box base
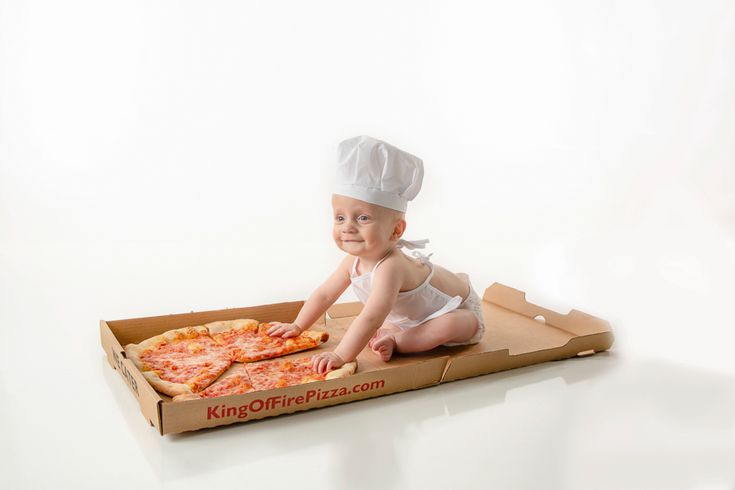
x,y
518,333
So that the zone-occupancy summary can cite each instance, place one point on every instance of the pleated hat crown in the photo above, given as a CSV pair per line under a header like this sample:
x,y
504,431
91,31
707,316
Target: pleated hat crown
x,y
374,171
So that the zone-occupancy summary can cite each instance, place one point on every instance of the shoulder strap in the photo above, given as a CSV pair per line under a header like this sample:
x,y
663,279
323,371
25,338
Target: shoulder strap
x,y
381,260
354,266
431,274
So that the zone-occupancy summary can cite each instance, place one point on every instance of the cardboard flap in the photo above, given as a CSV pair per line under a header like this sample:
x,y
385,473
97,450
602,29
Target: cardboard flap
x,y
343,310
574,322
148,398
110,344
475,364
517,336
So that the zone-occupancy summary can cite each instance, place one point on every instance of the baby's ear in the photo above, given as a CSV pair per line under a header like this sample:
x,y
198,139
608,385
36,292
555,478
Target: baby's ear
x,y
399,229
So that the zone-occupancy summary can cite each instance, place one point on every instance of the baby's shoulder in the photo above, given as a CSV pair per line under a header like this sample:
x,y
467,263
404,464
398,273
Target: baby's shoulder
x,y
390,273
392,262
346,264
397,265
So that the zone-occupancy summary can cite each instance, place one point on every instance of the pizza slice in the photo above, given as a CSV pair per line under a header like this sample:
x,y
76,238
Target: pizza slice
x,y
235,381
279,373
248,340
180,361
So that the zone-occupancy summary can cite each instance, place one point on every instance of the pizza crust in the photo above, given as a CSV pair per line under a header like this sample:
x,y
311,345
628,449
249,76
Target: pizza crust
x,y
186,396
224,326
171,335
315,335
347,369
166,387
133,352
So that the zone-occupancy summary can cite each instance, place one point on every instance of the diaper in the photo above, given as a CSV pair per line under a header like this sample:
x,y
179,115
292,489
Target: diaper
x,y
473,303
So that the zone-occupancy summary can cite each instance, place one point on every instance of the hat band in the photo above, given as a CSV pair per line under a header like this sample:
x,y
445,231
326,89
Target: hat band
x,y
373,196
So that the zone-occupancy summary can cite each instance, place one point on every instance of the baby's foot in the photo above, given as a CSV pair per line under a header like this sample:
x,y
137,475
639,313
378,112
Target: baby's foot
x,y
384,346
373,339
381,332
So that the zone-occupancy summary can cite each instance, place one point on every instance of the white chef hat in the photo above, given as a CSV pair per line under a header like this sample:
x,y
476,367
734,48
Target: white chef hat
x,y
374,171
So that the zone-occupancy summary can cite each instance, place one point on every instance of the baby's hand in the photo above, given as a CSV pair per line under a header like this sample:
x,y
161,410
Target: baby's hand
x,y
326,361
284,330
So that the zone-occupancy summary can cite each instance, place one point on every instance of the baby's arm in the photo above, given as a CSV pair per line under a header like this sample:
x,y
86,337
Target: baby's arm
x,y
318,303
387,283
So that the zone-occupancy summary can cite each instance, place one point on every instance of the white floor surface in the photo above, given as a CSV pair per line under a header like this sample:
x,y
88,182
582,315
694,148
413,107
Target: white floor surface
x,y
632,417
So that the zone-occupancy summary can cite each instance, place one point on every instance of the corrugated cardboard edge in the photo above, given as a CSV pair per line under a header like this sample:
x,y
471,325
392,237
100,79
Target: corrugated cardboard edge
x,y
148,399
590,335
575,322
213,412
343,310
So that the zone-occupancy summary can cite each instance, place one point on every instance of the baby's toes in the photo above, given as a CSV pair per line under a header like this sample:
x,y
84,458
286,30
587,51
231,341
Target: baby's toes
x,y
383,348
385,355
376,349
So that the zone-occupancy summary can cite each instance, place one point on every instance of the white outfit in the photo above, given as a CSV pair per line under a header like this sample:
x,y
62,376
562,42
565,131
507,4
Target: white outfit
x,y
424,303
373,171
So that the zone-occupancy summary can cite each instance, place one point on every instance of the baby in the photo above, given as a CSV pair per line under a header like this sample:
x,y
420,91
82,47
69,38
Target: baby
x,y
410,304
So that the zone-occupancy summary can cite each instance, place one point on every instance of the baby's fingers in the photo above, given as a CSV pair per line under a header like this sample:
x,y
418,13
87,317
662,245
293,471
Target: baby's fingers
x,y
278,331
315,362
319,364
322,365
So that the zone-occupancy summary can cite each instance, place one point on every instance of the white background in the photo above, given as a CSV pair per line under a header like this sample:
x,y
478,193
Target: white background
x,y
163,157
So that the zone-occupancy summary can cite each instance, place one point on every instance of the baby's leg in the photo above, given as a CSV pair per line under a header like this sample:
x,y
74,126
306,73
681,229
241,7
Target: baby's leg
x,y
455,326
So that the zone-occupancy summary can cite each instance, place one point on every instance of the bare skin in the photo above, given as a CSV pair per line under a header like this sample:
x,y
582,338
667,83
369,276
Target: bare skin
x,y
368,233
446,328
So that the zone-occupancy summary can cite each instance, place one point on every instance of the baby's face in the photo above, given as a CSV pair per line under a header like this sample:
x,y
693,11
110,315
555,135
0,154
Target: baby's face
x,y
364,229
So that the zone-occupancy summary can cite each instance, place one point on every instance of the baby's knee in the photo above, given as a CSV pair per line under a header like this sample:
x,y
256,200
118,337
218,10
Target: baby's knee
x,y
464,326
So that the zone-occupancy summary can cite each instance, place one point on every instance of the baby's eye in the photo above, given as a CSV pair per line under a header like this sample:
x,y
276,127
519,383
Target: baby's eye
x,y
339,218
363,218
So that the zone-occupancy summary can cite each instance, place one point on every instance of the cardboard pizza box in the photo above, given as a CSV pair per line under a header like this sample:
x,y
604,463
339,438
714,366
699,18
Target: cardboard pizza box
x,y
518,333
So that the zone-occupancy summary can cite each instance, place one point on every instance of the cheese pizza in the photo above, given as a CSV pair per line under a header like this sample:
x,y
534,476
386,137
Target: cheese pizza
x,y
279,373
184,360
248,340
235,381
267,375
188,363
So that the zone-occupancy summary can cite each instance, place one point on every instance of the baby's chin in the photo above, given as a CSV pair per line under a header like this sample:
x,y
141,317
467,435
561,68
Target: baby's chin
x,y
351,245
356,247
